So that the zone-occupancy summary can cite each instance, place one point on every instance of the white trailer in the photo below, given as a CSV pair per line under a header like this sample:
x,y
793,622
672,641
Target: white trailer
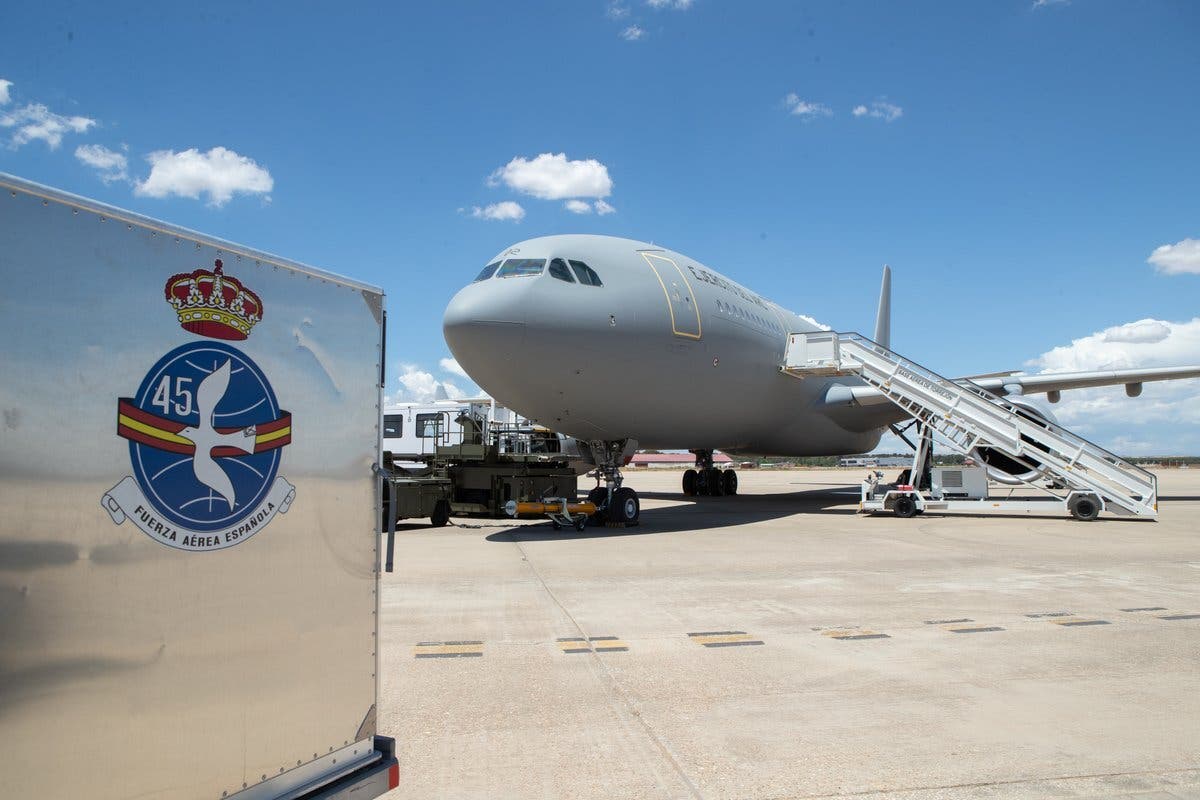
x,y
188,550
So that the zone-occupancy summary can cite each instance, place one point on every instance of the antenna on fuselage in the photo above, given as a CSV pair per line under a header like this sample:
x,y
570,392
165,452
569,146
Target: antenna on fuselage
x,y
883,317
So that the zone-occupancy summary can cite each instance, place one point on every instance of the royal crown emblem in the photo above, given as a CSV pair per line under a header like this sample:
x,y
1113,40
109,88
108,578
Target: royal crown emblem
x,y
213,304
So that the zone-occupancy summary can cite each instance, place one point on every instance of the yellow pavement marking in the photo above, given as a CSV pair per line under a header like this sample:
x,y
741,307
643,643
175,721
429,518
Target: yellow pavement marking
x,y
850,635
463,649
723,638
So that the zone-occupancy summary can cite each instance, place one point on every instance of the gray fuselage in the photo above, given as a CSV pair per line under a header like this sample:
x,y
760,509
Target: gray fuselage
x,y
667,351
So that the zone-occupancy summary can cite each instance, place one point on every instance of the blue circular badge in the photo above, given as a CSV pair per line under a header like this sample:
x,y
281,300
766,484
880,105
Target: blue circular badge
x,y
203,465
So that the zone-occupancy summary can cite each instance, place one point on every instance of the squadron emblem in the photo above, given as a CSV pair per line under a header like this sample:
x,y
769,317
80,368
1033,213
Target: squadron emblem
x,y
205,430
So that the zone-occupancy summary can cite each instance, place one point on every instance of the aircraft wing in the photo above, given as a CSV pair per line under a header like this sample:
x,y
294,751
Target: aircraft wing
x,y
1003,383
1054,383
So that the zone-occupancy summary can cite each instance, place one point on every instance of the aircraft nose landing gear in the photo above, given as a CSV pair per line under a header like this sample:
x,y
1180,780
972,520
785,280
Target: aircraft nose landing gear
x,y
706,479
616,504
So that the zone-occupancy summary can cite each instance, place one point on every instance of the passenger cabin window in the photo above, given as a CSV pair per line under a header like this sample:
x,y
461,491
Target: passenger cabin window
x,y
393,426
486,272
429,426
517,267
558,269
587,276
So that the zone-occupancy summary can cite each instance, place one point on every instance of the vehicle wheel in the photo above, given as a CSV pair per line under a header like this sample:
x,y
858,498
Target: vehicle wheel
x,y
729,481
904,507
904,476
625,507
598,497
715,487
580,524
689,483
1084,507
441,514
555,525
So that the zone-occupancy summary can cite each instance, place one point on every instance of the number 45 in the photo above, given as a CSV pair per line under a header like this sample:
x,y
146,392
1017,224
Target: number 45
x,y
163,397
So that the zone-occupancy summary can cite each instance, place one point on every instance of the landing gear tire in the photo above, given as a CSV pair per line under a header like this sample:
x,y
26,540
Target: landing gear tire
x,y
904,507
713,482
598,497
689,483
440,515
625,508
1084,507
729,482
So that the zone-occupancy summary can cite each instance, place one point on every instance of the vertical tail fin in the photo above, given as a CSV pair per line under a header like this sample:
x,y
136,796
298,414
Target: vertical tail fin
x,y
883,317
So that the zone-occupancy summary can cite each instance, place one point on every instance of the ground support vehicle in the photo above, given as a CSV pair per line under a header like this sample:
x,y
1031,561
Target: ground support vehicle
x,y
479,473
1078,476
188,560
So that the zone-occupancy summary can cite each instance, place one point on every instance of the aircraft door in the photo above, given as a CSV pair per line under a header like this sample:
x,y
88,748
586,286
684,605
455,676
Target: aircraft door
x,y
682,304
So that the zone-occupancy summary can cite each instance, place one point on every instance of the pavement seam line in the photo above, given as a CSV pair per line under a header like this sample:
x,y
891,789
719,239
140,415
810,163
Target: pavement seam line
x,y
614,687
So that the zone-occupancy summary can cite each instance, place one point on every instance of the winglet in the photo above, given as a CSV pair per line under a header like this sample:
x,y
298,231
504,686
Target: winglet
x,y
883,317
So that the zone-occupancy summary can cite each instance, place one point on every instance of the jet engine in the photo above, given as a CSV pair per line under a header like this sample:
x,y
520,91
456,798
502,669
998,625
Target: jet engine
x,y
1004,467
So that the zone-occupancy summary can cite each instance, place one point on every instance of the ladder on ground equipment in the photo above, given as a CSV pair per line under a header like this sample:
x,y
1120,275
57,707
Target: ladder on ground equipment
x,y
968,416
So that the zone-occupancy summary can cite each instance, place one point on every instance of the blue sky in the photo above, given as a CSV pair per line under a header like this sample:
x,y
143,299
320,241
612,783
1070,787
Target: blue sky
x,y
1017,163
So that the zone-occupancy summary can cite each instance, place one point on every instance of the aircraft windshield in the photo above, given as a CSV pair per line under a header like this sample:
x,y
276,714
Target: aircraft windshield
x,y
515,267
587,276
558,269
486,272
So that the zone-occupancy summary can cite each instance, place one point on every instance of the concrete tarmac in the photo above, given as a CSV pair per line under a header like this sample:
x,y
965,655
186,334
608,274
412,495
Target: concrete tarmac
x,y
778,645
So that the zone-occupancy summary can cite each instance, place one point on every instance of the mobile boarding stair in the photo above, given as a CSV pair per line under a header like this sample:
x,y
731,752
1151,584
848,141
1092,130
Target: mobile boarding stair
x,y
1080,477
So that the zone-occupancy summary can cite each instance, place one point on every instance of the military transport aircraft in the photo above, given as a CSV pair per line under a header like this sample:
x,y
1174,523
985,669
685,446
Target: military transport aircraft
x,y
614,341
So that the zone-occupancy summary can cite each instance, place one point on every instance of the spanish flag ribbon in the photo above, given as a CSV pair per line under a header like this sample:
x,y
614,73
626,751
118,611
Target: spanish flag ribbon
x,y
163,434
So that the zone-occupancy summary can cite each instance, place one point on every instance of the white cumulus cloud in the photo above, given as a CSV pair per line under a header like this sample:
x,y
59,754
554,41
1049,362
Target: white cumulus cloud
x,y
550,176
506,210
110,165
220,173
419,386
803,108
4,87
1177,259
577,207
880,109
678,5
451,365
1145,331
616,11
633,33
34,122
603,208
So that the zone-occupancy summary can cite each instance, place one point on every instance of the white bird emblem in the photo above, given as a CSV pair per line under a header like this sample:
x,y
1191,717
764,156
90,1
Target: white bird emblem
x,y
206,437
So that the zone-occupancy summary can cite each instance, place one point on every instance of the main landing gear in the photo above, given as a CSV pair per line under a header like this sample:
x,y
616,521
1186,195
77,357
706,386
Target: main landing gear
x,y
616,504
706,479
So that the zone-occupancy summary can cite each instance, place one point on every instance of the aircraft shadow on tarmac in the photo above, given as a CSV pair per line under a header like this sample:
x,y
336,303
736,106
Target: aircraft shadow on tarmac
x,y
700,513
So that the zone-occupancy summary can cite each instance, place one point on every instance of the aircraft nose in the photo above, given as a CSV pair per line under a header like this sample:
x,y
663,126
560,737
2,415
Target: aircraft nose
x,y
484,325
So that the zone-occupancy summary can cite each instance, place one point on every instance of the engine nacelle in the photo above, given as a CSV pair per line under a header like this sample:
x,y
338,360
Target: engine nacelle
x,y
1003,467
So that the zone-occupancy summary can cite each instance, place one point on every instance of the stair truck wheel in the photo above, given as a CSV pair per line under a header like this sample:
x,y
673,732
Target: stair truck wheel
x,y
689,483
441,514
598,496
904,506
1084,507
626,508
729,482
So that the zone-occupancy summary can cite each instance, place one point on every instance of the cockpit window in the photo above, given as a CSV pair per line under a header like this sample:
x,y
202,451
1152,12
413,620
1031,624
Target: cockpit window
x,y
587,276
515,267
486,272
558,269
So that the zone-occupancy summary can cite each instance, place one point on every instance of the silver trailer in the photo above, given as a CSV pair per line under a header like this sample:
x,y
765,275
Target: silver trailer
x,y
188,550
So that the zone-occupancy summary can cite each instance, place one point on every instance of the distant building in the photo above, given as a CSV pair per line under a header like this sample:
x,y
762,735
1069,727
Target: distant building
x,y
674,460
